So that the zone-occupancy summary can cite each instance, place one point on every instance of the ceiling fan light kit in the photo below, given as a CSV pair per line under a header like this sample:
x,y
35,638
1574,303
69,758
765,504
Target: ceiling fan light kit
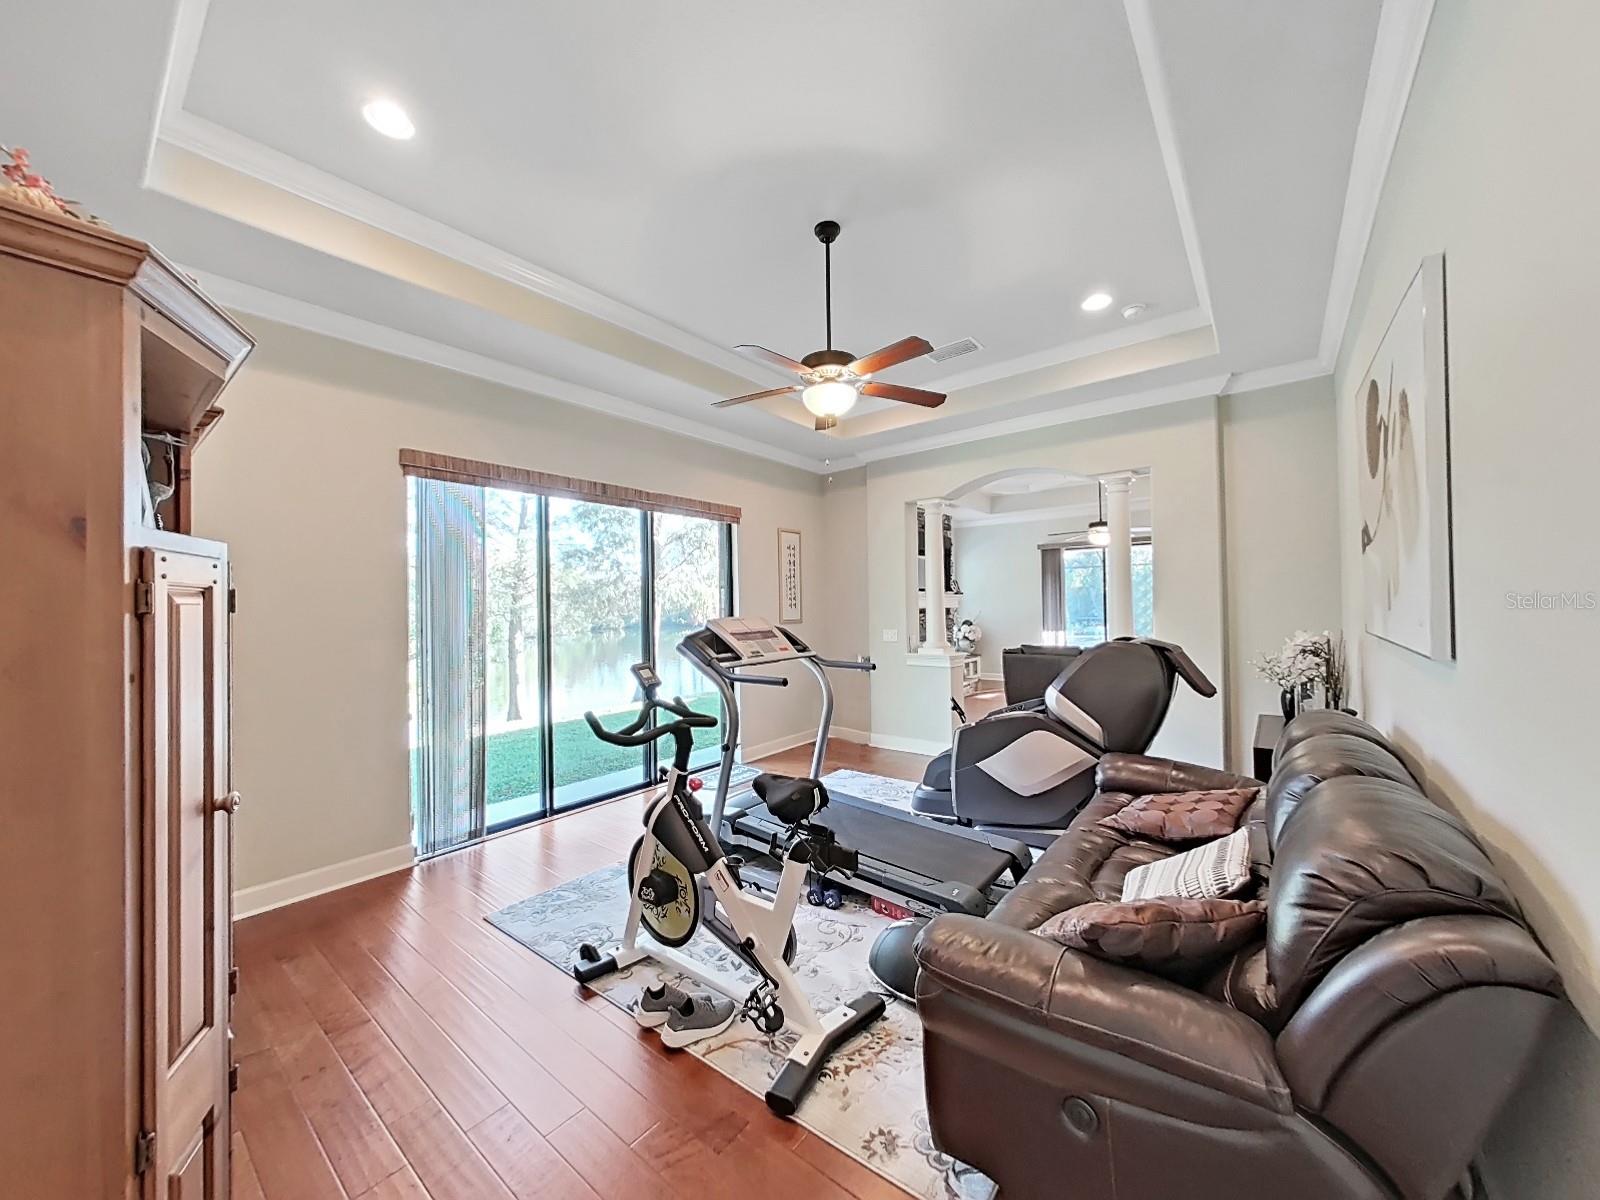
x,y
833,380
1100,530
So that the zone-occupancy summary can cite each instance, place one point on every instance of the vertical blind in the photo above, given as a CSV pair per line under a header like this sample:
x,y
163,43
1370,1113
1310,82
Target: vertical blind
x,y
451,623
449,802
1053,594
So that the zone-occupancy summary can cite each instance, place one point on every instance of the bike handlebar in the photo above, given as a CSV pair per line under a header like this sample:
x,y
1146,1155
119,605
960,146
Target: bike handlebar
x,y
635,734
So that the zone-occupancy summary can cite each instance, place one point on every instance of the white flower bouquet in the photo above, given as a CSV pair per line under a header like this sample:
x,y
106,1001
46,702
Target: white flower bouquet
x,y
1306,662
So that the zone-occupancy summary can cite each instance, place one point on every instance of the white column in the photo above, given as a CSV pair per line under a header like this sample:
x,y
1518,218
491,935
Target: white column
x,y
933,576
1119,557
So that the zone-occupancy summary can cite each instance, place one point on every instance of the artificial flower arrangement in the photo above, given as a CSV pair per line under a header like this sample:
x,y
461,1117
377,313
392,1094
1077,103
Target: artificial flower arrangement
x,y
21,183
1307,663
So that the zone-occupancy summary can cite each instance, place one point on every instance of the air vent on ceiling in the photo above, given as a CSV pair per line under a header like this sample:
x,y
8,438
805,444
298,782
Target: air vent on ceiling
x,y
954,350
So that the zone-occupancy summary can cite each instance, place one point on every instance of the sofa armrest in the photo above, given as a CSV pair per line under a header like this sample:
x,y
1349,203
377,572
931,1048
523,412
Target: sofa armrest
x,y
1111,1008
1140,774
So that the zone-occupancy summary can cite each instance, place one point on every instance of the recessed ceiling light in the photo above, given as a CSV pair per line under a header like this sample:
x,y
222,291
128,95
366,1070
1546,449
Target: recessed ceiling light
x,y
389,119
1096,301
1130,311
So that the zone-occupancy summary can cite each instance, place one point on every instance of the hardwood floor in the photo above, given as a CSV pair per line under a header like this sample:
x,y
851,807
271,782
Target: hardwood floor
x,y
394,1046
981,704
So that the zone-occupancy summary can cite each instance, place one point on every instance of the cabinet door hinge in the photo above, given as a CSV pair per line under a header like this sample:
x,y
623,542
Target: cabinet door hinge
x,y
144,599
233,600
233,981
144,1151
233,1079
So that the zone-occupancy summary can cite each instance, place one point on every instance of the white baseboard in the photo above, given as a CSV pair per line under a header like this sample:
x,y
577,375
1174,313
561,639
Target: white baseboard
x,y
885,741
263,897
839,733
988,678
750,751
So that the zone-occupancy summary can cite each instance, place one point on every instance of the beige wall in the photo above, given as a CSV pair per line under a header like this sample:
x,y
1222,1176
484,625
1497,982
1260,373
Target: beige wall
x,y
301,479
1280,480
844,598
1244,523
1178,442
998,568
1495,168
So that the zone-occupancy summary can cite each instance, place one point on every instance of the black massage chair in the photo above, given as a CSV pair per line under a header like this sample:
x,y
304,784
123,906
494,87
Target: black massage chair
x,y
1027,769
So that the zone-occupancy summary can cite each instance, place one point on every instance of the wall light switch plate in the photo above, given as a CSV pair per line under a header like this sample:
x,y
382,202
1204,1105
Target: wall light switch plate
x,y
891,635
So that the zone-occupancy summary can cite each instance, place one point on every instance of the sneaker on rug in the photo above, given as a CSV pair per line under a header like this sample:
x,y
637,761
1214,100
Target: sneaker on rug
x,y
700,1016
656,1002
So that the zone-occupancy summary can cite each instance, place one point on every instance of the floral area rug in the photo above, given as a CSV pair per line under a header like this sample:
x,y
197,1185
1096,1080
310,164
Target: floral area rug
x,y
869,1099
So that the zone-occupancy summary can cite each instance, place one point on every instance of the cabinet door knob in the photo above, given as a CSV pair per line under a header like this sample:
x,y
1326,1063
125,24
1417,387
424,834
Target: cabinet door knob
x,y
228,804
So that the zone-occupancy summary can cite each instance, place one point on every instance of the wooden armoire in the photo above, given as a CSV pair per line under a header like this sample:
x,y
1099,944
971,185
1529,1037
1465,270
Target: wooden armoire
x,y
115,789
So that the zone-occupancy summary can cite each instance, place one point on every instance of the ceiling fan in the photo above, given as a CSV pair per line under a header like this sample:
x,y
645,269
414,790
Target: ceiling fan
x,y
832,380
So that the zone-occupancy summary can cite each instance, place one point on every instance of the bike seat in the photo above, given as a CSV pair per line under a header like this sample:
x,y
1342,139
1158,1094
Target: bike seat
x,y
789,799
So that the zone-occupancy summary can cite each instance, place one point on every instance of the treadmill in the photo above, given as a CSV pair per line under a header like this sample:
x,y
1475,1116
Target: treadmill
x,y
905,859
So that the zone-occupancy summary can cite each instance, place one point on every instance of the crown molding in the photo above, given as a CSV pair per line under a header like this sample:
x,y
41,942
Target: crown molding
x,y
1295,372
286,310
1396,51
1142,27
236,152
313,318
1113,339
188,24
1025,516
178,127
1401,30
1175,393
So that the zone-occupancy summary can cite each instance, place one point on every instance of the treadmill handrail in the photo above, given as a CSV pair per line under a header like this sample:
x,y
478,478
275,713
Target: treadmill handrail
x,y
726,675
767,680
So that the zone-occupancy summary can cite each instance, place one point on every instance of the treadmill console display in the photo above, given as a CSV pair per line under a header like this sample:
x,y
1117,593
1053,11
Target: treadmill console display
x,y
755,640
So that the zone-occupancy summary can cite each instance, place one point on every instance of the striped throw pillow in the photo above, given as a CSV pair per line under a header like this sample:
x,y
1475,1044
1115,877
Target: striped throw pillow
x,y
1208,872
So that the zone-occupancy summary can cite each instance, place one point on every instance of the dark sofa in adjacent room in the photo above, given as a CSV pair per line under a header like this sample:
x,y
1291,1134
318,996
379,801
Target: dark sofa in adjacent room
x,y
1357,1050
1028,670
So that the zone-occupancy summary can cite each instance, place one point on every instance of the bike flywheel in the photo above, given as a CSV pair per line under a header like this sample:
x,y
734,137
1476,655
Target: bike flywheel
x,y
669,897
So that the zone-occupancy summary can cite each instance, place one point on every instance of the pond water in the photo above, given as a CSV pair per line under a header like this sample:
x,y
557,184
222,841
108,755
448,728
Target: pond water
x,y
591,673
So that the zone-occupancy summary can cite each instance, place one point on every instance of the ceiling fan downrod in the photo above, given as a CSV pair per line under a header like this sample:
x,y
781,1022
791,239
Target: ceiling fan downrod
x,y
826,232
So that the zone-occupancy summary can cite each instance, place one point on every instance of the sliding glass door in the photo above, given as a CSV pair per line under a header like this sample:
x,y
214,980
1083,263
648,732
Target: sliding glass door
x,y
1084,591
597,623
514,666
692,566
526,612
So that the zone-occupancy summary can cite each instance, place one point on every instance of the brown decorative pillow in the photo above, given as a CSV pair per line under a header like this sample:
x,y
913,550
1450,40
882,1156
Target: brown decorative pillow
x,y
1168,937
1183,816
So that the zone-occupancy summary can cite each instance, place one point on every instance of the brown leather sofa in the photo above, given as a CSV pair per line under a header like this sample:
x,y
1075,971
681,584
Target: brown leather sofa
x,y
1359,1050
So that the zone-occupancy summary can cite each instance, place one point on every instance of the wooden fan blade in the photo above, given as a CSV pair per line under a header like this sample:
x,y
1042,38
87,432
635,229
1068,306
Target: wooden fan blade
x,y
771,358
902,351
784,391
906,395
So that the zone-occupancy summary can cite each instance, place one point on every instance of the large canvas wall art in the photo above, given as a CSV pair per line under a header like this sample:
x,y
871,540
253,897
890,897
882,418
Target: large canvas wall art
x,y
1403,422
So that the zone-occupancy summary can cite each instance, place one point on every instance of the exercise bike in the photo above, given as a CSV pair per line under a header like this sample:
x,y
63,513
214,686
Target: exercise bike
x,y
679,879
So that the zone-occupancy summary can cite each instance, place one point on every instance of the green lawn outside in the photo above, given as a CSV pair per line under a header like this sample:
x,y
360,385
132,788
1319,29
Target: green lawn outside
x,y
513,756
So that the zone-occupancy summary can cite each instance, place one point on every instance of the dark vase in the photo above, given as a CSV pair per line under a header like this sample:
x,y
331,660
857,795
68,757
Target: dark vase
x,y
1289,701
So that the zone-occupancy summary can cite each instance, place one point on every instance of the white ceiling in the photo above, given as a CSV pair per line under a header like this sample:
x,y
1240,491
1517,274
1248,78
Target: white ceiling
x,y
986,181
601,199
